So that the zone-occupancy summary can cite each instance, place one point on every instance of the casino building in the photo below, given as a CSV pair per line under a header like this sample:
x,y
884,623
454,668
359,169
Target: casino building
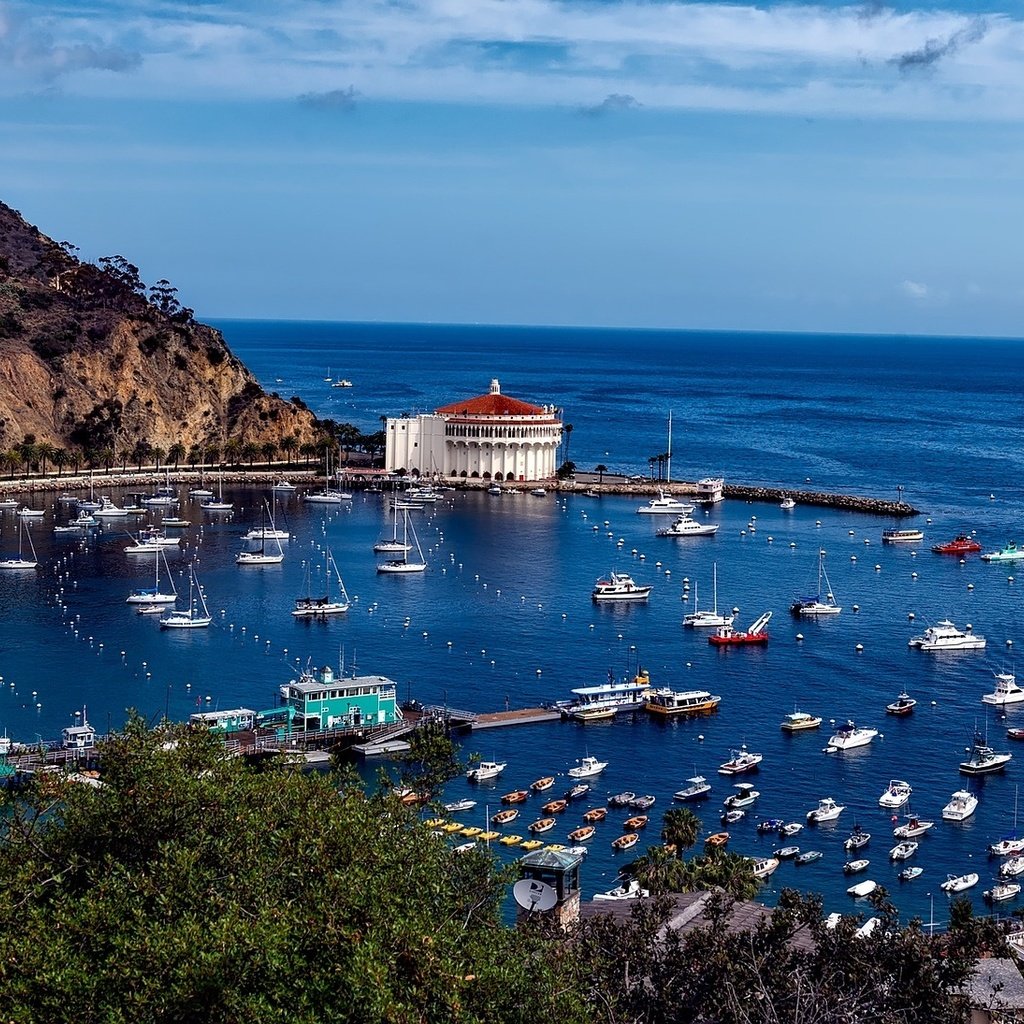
x,y
490,437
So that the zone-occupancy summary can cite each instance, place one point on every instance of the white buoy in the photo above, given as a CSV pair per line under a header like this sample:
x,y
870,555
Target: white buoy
x,y
792,543
913,575
850,532
970,586
799,636
859,647
856,607
700,737
878,568
1009,643
853,558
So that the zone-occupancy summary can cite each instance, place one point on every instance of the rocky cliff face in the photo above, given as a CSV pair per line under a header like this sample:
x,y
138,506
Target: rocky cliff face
x,y
89,359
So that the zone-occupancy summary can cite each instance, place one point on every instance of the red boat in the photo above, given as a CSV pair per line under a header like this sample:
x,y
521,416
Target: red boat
x,y
961,545
1015,734
756,634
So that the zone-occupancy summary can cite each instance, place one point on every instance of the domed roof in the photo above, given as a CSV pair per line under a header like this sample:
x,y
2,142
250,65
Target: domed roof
x,y
494,403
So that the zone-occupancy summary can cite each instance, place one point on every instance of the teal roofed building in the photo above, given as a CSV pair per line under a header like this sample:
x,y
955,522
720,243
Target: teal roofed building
x,y
319,699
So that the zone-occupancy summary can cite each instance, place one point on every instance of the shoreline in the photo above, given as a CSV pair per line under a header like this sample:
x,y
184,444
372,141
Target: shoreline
x,y
640,489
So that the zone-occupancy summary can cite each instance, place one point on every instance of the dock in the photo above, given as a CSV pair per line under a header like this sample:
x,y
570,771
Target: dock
x,y
521,716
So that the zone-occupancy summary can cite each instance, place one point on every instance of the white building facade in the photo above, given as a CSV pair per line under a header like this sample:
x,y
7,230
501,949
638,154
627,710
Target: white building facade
x,y
489,437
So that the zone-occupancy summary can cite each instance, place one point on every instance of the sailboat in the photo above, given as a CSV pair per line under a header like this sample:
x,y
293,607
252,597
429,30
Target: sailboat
x,y
403,563
153,596
265,532
263,557
697,619
92,504
310,607
329,495
196,615
220,505
21,562
385,546
824,603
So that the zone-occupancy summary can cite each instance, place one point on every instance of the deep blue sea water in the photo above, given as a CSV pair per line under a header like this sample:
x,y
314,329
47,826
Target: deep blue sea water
x,y
504,612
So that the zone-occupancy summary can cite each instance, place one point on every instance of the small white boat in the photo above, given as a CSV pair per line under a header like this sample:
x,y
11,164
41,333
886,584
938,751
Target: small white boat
x,y
630,891
262,556
861,889
1002,891
945,636
343,383
848,737
283,485
9,503
459,805
741,761
762,867
705,618
852,867
19,561
154,597
958,883
867,929
539,492
200,492
909,874
746,796
962,804
858,838
31,513
1008,847
620,586
108,510
787,503
697,790
665,505
486,770
1013,867
913,828
587,767
684,526
832,921
896,794
827,810
1006,692
790,829
797,721
904,850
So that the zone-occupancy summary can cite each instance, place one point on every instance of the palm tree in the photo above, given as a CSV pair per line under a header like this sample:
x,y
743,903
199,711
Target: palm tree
x,y
176,453
269,451
61,458
12,460
158,454
249,451
44,453
600,469
141,452
288,445
568,429
307,450
680,828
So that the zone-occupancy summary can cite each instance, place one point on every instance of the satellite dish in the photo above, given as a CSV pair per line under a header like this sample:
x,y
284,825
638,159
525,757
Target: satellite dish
x,y
533,895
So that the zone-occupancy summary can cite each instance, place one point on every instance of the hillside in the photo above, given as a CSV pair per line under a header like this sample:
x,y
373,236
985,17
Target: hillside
x,y
92,359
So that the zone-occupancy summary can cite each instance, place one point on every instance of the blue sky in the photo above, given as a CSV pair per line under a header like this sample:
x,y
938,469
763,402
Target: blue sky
x,y
662,164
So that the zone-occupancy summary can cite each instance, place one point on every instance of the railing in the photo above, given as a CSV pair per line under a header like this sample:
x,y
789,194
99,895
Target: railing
x,y
447,713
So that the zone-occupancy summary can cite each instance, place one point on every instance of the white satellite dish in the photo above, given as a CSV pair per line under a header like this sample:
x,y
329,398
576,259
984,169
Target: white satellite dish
x,y
532,895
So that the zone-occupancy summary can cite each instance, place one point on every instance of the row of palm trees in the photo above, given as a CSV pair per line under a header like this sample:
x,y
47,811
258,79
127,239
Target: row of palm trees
x,y
31,456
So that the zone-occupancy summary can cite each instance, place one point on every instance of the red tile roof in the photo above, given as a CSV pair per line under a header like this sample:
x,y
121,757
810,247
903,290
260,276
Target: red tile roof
x,y
491,405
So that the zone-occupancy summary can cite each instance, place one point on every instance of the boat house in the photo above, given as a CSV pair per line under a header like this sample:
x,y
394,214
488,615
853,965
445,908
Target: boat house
x,y
319,699
489,437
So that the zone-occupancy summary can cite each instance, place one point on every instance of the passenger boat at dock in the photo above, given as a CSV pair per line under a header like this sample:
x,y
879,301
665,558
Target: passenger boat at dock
x,y
670,702
590,702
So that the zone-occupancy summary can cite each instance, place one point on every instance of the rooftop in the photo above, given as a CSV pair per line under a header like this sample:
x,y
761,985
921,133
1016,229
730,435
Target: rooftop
x,y
494,403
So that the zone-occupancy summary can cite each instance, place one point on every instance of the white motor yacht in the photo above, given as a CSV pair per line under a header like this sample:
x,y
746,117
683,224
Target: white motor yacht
x,y
984,760
962,804
620,586
944,636
849,736
827,810
587,767
741,761
698,789
486,770
1006,692
896,794
665,505
684,526
108,510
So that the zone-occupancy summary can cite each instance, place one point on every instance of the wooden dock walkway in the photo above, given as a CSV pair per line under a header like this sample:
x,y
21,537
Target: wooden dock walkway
x,y
521,716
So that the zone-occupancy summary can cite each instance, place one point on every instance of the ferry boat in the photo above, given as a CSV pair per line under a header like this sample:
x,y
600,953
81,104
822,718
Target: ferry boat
x,y
1006,692
616,695
959,545
984,760
822,603
848,736
944,636
740,762
665,505
896,794
686,702
902,536
1011,553
962,804
684,526
827,810
698,789
757,633
620,586
902,705
797,721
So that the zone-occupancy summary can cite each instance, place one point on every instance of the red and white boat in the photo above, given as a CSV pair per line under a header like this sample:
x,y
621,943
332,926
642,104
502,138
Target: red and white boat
x,y
960,545
756,634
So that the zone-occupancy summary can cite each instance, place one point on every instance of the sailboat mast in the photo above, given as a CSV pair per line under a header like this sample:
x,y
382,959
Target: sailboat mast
x,y
668,464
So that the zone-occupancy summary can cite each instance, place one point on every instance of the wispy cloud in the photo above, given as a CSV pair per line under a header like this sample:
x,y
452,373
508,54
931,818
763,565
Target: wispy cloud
x,y
333,99
612,103
915,290
782,57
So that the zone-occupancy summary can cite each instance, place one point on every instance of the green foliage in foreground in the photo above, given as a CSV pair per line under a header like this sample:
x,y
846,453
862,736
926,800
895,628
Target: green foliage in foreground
x,y
193,887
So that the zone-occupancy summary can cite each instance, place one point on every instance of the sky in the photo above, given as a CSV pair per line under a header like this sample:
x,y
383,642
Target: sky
x,y
783,167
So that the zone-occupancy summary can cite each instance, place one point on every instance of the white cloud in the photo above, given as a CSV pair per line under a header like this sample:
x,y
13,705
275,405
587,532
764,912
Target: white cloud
x,y
788,58
915,290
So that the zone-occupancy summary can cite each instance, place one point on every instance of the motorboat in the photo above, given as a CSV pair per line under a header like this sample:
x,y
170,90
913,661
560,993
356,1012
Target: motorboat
x,y
582,835
1011,553
637,822
578,792
542,784
541,825
620,586
624,842
554,806
984,760
790,829
896,794
945,636
1001,891
959,545
832,921
698,789
786,852
962,804
595,814
913,828
587,767
1012,867
283,486
858,838
149,541
904,850
685,526
623,799
495,489
827,810
808,857
1015,734
787,502
762,867
822,603
732,816
6,504
457,806
539,492
1011,846
910,873
958,883
486,770
746,796
643,803
1006,692
757,633
668,702
108,510
769,825
31,513
902,705
716,840
741,761
902,536
852,867
665,505
868,928
630,891
701,619
797,721
862,889
196,615
343,383
848,736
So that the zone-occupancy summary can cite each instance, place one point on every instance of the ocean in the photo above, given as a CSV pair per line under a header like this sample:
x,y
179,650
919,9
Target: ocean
x,y
503,615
